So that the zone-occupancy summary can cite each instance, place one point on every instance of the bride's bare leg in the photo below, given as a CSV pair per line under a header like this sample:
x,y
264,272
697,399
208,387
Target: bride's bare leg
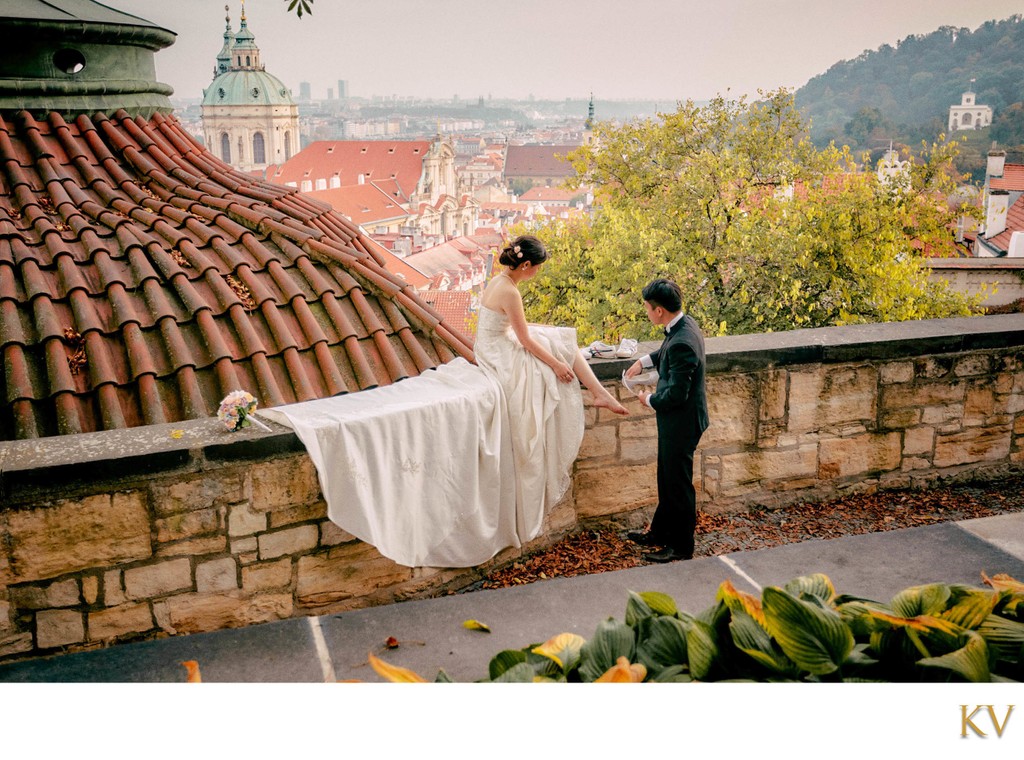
x,y
602,397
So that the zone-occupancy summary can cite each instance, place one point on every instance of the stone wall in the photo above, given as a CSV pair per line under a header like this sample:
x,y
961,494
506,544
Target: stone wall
x,y
1001,279
174,529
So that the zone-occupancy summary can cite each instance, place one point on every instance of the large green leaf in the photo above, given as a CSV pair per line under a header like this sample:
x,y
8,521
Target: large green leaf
x,y
505,660
637,609
816,639
701,649
612,639
970,608
970,660
754,641
522,673
817,585
665,644
661,604
1004,636
931,599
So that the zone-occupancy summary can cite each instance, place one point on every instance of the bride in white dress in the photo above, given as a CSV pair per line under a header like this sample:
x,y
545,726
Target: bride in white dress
x,y
539,369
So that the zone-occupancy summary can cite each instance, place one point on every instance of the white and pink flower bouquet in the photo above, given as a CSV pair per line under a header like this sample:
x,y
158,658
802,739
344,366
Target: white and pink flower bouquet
x,y
236,411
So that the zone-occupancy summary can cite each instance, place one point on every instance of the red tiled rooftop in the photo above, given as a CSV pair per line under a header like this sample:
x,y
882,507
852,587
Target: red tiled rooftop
x,y
142,279
1014,223
363,204
454,305
375,160
539,161
1012,179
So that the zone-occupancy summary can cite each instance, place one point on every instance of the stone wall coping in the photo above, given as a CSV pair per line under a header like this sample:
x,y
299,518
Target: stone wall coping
x,y
28,467
1001,262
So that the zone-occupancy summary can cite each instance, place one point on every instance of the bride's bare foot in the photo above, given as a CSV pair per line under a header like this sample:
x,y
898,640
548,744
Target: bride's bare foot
x,y
608,401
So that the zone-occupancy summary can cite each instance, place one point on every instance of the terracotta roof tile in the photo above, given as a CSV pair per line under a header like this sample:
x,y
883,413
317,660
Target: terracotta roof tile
x,y
141,280
539,161
1012,179
1014,223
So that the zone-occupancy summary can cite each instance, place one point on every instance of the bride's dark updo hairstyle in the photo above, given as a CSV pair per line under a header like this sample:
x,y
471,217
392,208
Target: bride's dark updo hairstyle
x,y
523,248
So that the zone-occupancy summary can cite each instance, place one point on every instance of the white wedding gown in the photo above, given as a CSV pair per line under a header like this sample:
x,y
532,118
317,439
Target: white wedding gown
x,y
545,416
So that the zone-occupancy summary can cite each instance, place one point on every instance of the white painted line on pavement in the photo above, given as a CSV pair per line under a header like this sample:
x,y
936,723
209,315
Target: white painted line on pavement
x,y
736,569
321,649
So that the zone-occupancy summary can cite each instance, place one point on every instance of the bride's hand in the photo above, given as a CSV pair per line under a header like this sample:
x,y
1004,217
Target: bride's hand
x,y
563,372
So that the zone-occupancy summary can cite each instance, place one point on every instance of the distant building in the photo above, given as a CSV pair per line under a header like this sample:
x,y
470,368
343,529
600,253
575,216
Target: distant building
x,y
249,118
539,164
305,92
969,115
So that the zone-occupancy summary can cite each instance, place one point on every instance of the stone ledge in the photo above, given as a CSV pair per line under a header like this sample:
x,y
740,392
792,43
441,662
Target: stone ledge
x,y
29,466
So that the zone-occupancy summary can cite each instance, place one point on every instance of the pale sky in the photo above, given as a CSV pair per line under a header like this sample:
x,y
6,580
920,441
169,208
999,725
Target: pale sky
x,y
552,49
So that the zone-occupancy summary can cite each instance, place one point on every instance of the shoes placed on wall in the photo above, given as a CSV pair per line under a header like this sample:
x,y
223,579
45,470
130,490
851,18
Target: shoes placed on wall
x,y
626,348
599,350
668,554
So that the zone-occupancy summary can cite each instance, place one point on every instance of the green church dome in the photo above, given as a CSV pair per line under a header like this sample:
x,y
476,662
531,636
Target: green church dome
x,y
246,87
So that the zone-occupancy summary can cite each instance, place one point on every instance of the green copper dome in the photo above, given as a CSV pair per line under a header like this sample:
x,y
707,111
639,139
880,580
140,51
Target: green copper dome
x,y
246,87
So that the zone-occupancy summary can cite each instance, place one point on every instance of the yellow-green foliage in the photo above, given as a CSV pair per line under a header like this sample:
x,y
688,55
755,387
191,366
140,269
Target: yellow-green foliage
x,y
762,231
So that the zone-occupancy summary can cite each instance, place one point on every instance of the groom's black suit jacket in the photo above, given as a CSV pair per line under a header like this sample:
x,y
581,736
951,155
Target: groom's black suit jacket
x,y
680,399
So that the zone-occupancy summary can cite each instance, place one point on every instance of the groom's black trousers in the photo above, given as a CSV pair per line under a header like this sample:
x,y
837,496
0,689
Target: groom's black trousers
x,y
675,519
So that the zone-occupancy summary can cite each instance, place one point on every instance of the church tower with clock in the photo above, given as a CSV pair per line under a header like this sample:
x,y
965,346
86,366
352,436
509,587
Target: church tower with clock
x,y
249,117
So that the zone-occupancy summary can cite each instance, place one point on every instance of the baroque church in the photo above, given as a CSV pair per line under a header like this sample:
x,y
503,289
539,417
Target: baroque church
x,y
249,117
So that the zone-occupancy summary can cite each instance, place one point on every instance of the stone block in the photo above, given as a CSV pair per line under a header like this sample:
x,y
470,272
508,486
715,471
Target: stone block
x,y
332,534
244,522
774,391
187,524
77,534
860,455
199,491
896,397
316,510
943,414
119,621
638,449
267,576
158,579
1018,425
113,589
749,470
979,405
15,643
192,547
918,440
599,442
932,367
896,372
5,616
732,409
900,418
196,613
246,545
217,575
832,397
66,593
288,541
975,364
346,572
58,628
284,483
90,589
972,445
614,489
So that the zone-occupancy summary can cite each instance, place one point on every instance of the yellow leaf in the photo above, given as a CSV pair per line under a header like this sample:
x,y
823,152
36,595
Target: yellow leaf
x,y
558,647
193,671
394,673
476,625
177,433
623,672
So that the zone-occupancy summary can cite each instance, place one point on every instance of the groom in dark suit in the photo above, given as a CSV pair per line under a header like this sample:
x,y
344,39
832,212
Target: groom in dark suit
x,y
681,409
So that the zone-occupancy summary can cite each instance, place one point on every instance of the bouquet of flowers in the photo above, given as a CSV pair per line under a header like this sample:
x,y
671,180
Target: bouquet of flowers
x,y
236,411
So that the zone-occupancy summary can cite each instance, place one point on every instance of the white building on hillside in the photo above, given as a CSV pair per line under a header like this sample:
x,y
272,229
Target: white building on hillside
x,y
969,115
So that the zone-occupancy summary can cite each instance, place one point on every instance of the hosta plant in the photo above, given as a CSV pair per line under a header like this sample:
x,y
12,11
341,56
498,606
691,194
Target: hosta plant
x,y
803,631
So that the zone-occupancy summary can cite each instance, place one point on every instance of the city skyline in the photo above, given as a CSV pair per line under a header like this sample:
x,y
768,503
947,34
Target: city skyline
x,y
518,49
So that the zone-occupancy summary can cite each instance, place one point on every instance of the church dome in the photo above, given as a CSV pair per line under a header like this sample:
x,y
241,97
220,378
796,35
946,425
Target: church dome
x,y
247,87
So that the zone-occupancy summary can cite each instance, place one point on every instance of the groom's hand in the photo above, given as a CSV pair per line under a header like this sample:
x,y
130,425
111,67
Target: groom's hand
x,y
634,369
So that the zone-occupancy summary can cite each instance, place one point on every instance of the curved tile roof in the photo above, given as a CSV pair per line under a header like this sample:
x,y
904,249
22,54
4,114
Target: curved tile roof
x,y
142,279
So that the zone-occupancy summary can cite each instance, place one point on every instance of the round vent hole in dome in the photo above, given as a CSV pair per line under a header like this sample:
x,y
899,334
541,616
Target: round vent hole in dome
x,y
69,61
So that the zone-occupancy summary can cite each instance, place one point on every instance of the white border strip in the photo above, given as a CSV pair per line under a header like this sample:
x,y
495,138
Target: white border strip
x,y
321,650
736,569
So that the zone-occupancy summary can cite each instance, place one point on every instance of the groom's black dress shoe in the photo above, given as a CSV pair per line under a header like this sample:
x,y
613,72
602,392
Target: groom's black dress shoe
x,y
644,538
668,554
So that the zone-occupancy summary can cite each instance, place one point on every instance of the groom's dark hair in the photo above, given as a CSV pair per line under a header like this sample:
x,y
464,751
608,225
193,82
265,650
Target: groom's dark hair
x,y
664,293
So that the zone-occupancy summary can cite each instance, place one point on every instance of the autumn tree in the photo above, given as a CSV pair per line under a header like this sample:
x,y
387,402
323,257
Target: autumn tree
x,y
761,230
